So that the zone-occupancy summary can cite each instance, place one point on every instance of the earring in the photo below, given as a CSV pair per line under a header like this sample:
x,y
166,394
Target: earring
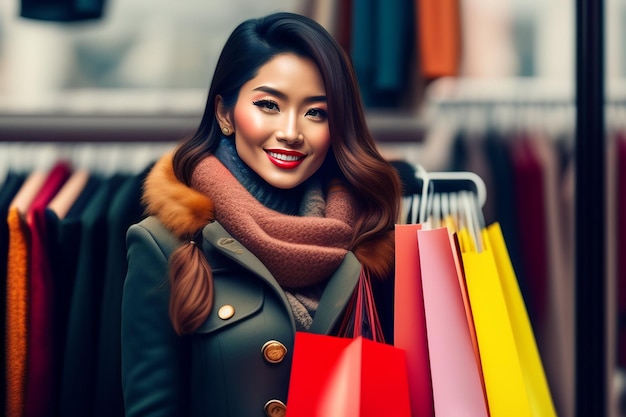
x,y
226,130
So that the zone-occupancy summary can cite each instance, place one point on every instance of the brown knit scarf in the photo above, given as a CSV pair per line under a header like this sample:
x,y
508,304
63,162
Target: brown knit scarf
x,y
298,251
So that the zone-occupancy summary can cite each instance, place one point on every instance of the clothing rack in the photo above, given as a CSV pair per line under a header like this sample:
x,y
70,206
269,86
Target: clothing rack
x,y
521,92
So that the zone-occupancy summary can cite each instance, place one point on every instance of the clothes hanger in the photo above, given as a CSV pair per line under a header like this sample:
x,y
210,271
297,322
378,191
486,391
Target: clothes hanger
x,y
453,199
36,160
67,195
451,181
28,191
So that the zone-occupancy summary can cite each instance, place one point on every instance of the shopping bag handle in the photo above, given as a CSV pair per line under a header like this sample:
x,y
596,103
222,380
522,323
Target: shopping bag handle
x,y
361,318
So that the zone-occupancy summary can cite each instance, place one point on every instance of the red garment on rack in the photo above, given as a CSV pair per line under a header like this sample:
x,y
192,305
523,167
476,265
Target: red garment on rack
x,y
556,343
40,377
344,24
530,198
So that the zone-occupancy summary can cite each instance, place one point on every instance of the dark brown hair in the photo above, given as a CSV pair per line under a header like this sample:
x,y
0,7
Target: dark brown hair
x,y
353,158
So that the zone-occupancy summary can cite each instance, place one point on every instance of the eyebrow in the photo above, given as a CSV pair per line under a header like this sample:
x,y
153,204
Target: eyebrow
x,y
283,96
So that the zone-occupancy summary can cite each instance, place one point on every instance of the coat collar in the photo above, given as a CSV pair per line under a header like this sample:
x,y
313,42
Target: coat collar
x,y
338,291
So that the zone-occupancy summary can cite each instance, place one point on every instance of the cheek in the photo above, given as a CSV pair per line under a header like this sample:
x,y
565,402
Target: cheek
x,y
323,140
248,123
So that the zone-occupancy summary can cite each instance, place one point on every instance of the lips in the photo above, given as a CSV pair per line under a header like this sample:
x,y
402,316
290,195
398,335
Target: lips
x,y
285,159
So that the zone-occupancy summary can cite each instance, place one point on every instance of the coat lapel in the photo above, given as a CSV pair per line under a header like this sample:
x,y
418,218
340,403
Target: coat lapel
x,y
336,294
338,291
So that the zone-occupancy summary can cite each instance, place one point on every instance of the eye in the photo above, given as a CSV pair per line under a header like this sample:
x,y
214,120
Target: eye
x,y
267,105
317,114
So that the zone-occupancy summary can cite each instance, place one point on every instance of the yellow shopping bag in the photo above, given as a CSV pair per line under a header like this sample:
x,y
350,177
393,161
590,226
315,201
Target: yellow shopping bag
x,y
507,394
532,370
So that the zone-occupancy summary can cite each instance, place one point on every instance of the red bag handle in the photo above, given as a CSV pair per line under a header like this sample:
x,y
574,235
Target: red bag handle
x,y
361,318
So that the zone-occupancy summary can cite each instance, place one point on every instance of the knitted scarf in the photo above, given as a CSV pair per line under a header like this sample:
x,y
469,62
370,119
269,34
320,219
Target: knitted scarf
x,y
298,251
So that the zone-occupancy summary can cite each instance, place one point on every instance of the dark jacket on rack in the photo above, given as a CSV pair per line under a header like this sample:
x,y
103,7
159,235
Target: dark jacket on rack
x,y
239,360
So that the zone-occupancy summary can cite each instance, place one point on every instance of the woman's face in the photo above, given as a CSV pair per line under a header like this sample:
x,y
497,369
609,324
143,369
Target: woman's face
x,y
280,121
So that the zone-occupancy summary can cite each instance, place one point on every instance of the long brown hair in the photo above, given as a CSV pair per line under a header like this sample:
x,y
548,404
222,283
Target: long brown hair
x,y
354,157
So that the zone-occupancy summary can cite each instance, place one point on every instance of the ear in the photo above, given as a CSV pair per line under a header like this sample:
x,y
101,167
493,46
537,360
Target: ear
x,y
223,114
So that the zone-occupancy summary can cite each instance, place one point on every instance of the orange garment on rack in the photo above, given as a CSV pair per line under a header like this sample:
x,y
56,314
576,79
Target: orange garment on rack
x,y
16,329
438,37
16,326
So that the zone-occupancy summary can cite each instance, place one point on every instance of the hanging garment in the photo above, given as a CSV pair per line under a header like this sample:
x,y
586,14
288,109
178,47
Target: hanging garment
x,y
344,24
380,33
12,183
16,338
476,161
530,198
125,210
558,341
62,10
504,199
40,376
79,363
64,245
438,37
17,293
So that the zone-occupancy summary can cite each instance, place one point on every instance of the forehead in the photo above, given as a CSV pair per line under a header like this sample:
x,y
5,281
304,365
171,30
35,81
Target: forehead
x,y
289,72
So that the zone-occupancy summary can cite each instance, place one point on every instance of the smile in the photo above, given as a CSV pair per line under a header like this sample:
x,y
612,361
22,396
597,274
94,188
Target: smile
x,y
285,159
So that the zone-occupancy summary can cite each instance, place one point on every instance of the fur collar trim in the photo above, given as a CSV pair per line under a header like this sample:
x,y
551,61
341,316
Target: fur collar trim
x,y
180,208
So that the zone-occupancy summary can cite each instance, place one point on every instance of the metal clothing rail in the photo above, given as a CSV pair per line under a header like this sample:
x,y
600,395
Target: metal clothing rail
x,y
54,127
136,115
514,90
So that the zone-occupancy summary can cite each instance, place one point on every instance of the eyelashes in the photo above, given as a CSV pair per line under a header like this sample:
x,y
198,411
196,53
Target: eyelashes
x,y
266,104
271,106
317,113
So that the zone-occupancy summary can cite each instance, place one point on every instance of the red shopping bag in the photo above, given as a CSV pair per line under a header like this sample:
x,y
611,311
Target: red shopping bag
x,y
337,376
410,321
349,375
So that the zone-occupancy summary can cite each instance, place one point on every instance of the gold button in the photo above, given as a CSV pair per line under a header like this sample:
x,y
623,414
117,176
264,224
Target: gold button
x,y
275,408
274,351
226,311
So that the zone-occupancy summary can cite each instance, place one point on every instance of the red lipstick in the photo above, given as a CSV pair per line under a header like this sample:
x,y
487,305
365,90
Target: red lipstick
x,y
285,159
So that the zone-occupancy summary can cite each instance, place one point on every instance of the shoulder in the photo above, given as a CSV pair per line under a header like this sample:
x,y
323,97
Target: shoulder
x,y
152,230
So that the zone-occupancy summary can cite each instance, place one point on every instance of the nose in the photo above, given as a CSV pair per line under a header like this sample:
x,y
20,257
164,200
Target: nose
x,y
289,131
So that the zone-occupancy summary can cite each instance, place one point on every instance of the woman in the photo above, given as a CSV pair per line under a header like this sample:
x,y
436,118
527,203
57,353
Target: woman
x,y
263,221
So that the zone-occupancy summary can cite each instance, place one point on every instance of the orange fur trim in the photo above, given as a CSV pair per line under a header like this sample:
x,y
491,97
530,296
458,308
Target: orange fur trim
x,y
180,208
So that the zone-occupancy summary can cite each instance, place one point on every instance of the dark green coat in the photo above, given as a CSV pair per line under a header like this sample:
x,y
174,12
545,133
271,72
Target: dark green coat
x,y
220,370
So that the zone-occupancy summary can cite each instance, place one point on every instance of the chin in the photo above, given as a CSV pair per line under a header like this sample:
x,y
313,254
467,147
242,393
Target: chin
x,y
284,185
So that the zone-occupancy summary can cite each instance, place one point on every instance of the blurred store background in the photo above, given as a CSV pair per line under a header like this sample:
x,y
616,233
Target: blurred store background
x,y
480,85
